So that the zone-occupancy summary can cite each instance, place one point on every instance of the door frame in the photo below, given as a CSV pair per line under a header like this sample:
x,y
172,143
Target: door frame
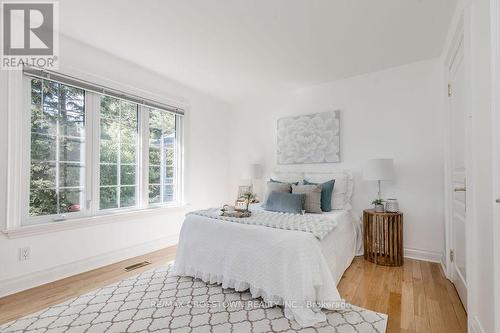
x,y
495,104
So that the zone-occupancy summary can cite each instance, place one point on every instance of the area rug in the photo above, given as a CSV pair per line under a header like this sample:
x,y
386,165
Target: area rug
x,y
158,301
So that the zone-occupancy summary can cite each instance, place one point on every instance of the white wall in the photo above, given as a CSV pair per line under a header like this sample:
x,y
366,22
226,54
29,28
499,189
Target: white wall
x,y
393,113
64,253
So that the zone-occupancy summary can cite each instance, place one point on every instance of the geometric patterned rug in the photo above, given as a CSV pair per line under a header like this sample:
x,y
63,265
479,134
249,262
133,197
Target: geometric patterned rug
x,y
158,301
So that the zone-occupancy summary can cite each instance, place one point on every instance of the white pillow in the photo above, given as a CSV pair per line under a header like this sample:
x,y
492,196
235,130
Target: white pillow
x,y
288,177
342,190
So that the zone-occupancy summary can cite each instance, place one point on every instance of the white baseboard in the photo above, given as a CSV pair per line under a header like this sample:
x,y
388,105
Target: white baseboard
x,y
423,255
16,284
475,325
443,267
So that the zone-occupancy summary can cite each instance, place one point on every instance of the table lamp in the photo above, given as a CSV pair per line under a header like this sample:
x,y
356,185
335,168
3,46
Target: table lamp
x,y
379,169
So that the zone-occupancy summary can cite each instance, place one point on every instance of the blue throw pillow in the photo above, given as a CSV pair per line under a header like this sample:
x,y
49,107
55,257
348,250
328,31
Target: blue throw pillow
x,y
326,194
285,202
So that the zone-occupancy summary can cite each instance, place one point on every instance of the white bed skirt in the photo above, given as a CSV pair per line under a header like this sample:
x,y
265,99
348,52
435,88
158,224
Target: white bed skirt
x,y
281,266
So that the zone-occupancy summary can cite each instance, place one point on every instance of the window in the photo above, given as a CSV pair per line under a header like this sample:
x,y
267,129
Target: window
x,y
57,168
162,150
96,153
118,153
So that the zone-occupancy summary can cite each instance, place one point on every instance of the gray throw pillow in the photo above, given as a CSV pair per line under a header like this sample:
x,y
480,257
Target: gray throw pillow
x,y
285,202
276,187
326,194
313,197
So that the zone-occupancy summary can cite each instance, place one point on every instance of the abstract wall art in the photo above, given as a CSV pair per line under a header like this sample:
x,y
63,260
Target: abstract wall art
x,y
313,138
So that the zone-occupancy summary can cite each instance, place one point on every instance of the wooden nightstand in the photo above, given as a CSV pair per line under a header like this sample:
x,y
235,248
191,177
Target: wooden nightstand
x,y
383,237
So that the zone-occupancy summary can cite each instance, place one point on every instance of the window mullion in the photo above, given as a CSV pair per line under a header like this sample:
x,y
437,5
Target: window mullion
x,y
144,156
119,160
58,142
95,154
89,147
162,167
179,159
174,165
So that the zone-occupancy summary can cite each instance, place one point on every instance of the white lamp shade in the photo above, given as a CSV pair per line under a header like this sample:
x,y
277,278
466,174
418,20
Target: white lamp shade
x,y
379,169
251,172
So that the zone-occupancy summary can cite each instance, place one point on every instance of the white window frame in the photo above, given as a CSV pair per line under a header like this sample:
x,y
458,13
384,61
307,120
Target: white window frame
x,y
19,159
96,157
28,220
178,166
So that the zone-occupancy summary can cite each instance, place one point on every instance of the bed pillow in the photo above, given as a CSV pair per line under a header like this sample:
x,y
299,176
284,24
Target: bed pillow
x,y
276,187
326,194
313,197
278,181
287,176
285,202
342,191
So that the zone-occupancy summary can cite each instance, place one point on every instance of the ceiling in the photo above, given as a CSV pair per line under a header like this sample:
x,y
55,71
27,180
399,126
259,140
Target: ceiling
x,y
243,49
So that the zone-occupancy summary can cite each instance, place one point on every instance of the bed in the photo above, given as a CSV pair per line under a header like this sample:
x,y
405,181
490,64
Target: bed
x,y
291,268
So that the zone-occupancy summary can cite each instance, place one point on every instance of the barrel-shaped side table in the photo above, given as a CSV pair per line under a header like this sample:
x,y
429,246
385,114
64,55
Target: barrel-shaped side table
x,y
383,237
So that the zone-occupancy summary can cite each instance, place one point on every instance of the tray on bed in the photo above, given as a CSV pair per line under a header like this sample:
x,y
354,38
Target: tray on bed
x,y
231,211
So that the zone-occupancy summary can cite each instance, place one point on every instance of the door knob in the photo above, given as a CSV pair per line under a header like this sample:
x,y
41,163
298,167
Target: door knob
x,y
498,200
459,189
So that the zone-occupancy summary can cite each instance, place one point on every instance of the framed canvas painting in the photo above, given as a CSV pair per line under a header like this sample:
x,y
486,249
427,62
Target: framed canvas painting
x,y
313,138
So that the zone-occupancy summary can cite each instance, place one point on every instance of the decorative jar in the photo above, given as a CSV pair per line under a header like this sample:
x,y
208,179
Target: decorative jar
x,y
391,206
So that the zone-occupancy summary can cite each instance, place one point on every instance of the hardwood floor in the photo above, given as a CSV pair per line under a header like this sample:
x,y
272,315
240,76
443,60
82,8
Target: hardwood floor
x,y
35,299
417,297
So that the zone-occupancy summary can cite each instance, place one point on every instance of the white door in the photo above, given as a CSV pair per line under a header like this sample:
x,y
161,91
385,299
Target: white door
x,y
458,172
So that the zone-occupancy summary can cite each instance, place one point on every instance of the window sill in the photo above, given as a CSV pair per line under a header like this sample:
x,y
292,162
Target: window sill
x,y
43,228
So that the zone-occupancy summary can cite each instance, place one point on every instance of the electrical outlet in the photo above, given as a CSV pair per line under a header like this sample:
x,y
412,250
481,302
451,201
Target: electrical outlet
x,y
24,253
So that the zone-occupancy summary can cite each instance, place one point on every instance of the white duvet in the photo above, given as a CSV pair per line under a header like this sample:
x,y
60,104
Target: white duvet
x,y
286,267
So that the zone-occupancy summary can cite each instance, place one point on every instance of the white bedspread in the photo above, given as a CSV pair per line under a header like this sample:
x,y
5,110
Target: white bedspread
x,y
286,267
318,225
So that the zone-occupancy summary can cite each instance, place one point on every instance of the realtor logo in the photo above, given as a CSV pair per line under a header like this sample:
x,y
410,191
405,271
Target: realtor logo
x,y
29,34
